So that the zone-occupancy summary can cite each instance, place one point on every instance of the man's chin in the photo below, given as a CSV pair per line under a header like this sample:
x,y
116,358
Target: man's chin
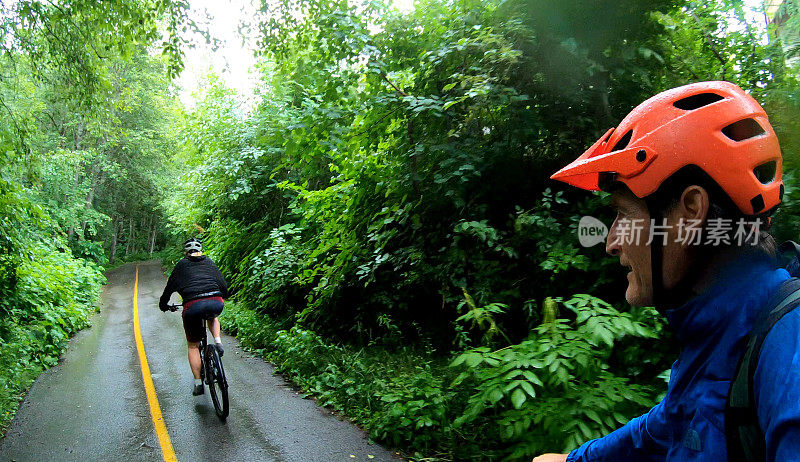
x,y
635,298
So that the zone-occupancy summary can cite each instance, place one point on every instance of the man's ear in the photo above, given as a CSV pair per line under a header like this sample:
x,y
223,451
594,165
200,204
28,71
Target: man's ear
x,y
694,204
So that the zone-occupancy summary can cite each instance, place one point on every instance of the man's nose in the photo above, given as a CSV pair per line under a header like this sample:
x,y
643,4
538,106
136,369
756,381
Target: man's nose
x,y
612,241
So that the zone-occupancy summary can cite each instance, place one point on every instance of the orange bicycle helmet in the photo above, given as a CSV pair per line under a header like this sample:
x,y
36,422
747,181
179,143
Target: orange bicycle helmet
x,y
715,126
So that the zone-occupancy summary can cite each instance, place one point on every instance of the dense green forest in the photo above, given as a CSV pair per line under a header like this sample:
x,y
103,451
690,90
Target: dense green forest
x,y
85,109
383,211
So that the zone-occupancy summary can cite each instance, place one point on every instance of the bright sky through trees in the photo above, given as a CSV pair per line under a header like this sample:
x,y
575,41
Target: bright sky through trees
x,y
233,59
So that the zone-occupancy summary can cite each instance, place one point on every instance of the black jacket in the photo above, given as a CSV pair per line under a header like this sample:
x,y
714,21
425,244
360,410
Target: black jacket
x,y
193,278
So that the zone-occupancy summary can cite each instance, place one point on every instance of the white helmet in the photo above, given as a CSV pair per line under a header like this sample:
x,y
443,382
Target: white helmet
x,y
192,245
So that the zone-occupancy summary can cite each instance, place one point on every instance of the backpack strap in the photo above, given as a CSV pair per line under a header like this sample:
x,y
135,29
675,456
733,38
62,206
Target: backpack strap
x,y
745,439
793,249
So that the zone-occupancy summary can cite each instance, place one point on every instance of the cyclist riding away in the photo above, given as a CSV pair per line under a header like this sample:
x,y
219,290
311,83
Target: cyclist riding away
x,y
201,286
701,156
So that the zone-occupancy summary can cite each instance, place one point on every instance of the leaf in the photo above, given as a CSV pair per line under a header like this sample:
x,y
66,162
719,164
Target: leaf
x,y
473,359
450,104
532,378
620,418
585,430
518,398
511,385
604,335
459,360
495,395
528,389
593,415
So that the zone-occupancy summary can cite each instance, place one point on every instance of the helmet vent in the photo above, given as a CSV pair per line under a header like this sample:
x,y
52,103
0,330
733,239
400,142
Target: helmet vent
x,y
697,101
623,142
766,172
757,202
607,181
743,130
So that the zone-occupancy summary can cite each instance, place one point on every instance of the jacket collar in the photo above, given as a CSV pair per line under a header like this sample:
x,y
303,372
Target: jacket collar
x,y
735,297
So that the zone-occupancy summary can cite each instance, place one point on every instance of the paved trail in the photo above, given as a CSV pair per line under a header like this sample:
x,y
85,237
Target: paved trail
x,y
93,406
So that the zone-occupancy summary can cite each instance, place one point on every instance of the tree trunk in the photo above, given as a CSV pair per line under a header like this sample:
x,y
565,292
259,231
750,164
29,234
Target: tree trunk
x,y
130,238
413,158
79,132
153,238
77,180
90,196
114,225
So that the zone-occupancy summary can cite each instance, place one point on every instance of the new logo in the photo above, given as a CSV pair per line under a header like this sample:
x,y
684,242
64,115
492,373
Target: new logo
x,y
591,231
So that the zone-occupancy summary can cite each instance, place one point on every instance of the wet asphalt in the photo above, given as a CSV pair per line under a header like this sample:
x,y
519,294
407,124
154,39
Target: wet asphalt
x,y
93,406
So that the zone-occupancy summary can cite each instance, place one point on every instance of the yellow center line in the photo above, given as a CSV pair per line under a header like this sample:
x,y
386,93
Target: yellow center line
x,y
155,410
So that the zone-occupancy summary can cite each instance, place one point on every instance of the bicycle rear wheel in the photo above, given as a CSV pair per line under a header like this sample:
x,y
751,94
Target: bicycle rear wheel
x,y
217,383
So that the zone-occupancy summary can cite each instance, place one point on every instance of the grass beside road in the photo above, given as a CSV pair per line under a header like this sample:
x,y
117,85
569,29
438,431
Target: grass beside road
x,y
401,397
53,298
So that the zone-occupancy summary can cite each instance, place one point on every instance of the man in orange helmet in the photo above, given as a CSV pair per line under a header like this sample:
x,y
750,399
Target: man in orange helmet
x,y
702,158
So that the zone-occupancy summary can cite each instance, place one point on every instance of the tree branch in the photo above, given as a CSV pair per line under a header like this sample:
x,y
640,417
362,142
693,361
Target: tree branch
x,y
397,89
372,125
710,43
678,55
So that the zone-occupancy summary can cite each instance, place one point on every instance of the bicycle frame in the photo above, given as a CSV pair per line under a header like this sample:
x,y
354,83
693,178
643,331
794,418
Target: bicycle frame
x,y
219,397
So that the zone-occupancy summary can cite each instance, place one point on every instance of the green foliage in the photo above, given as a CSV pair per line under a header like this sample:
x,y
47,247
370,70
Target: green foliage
x,y
84,117
556,389
57,294
47,295
406,174
76,36
385,206
390,190
787,218
86,112
409,153
400,397
480,318
561,386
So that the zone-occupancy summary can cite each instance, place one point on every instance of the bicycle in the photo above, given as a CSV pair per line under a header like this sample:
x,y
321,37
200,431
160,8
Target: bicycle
x,y
212,373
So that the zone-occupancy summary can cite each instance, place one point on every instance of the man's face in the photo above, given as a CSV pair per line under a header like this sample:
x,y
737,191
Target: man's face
x,y
627,239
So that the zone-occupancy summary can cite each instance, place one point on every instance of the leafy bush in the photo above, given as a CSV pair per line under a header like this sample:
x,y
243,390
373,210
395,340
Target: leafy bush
x,y
558,388
56,295
388,197
415,410
401,397
46,293
394,160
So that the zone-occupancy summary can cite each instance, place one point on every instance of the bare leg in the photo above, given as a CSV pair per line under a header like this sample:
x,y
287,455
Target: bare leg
x,y
194,358
213,326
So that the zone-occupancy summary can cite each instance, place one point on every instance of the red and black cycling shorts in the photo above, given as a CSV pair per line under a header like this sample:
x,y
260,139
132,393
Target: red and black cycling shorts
x,y
195,311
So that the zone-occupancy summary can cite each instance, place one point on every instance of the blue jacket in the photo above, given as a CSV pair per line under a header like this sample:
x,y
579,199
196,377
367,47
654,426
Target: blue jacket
x,y
689,423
